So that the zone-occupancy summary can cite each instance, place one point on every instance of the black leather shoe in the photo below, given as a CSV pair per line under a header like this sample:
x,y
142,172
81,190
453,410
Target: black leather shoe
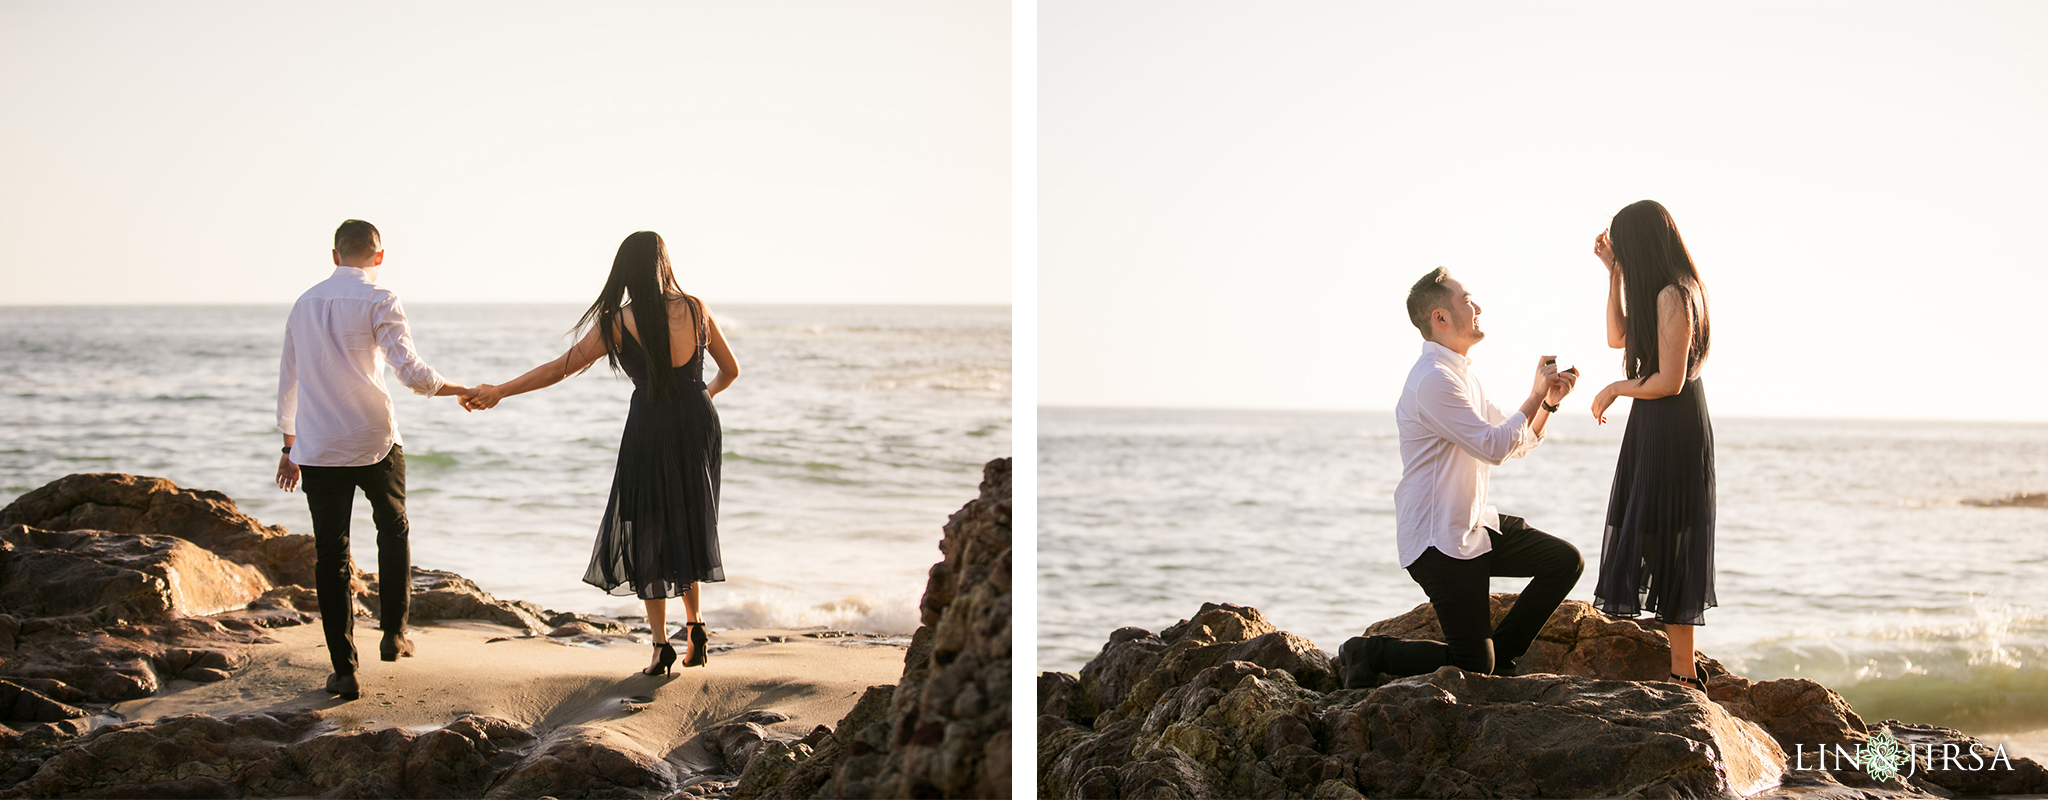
x,y
344,686
395,645
1358,661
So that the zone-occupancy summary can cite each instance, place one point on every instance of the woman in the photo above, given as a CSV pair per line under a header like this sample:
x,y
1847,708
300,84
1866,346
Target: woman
x,y
659,535
1658,553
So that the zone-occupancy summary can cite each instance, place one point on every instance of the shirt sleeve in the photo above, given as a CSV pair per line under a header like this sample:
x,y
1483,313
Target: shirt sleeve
x,y
394,337
288,387
1447,408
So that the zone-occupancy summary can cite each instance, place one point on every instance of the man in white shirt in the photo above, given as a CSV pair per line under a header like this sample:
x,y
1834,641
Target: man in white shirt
x,y
1451,541
340,434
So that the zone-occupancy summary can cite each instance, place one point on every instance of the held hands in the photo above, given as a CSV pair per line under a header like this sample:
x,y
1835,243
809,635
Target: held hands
x,y
483,397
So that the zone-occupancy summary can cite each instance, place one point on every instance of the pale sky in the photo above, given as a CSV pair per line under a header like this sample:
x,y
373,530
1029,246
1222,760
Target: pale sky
x,y
1235,196
202,152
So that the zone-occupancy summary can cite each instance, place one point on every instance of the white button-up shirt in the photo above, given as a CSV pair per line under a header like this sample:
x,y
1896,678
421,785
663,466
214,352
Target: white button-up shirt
x,y
1450,434
330,386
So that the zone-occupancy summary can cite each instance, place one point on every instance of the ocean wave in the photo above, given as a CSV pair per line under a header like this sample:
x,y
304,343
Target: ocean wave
x,y
1982,674
889,614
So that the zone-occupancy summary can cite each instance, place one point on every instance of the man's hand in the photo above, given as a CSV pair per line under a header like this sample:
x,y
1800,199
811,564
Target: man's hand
x,y
1562,385
287,473
483,397
1546,372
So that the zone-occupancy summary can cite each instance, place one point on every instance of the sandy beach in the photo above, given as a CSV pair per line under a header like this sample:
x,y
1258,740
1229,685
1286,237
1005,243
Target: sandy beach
x,y
543,684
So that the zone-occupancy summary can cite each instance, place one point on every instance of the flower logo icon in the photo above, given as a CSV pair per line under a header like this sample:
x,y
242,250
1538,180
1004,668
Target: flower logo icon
x,y
1883,756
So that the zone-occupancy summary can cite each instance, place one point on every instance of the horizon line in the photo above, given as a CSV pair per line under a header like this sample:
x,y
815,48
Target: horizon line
x,y
202,304
1785,418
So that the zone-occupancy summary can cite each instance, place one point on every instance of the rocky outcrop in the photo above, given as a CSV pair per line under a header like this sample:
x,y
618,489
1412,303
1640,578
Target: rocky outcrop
x,y
944,730
1224,705
1576,640
134,504
438,595
284,755
117,578
112,586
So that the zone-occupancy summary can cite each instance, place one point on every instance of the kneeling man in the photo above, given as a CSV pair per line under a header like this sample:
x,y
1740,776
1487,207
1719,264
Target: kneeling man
x,y
1451,541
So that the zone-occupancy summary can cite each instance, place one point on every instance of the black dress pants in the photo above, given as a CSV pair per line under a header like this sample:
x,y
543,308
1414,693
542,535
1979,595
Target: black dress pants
x,y
330,491
1457,589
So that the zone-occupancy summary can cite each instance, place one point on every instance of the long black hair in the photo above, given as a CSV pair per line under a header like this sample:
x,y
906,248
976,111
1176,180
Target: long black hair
x,y
642,282
1652,256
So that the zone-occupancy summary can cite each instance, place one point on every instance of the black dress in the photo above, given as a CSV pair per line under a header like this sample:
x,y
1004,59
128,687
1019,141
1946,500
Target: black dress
x,y
1658,552
660,528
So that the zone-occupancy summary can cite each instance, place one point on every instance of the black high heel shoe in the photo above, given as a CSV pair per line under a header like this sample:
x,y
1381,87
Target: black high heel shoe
x,y
700,645
667,656
1695,681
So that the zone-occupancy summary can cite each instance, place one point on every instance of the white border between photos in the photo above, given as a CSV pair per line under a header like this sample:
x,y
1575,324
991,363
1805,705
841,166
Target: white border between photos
x,y
1024,397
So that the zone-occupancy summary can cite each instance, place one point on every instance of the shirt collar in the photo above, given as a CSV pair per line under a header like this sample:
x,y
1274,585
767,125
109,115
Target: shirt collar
x,y
1446,355
351,272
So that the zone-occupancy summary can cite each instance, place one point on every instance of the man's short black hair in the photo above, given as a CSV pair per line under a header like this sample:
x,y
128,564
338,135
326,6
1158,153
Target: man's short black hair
x,y
1428,294
357,238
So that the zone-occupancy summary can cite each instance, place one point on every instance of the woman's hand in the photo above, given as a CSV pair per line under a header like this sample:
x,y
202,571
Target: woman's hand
x,y
1601,401
483,397
1603,248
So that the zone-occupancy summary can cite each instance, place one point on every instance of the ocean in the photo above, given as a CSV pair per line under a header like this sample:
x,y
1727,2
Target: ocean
x,y
853,432
1848,551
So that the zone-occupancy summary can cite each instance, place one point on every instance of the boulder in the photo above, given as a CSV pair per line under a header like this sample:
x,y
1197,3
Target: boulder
x,y
944,729
116,578
1223,705
135,504
1576,640
275,755
439,595
587,761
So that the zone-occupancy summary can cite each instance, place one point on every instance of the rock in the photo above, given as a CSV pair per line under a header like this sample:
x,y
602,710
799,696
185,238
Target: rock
x,y
1957,764
19,703
1222,705
115,578
134,504
944,729
1576,640
440,595
587,761
277,754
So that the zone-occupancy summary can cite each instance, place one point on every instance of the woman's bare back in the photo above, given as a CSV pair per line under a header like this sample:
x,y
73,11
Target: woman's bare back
x,y
683,337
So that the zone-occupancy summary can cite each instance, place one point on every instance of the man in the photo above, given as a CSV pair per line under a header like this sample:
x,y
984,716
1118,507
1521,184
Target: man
x,y
1451,541
341,435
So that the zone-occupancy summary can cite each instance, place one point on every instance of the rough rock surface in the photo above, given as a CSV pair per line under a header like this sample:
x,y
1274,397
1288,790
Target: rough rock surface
x,y
945,730
1576,640
112,586
286,754
439,595
115,578
1223,705
136,504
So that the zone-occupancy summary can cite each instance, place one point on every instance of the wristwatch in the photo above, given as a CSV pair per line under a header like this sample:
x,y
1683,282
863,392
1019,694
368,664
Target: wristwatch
x,y
1546,407
287,450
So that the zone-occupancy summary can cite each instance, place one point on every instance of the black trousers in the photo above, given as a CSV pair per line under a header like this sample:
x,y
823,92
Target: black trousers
x,y
330,491
1457,589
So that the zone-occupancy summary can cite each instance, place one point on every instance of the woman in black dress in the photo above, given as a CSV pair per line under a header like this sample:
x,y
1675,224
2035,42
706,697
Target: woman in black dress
x,y
1658,552
659,535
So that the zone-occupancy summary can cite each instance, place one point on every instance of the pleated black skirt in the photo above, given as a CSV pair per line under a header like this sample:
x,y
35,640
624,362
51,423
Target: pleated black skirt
x,y
1658,552
660,528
